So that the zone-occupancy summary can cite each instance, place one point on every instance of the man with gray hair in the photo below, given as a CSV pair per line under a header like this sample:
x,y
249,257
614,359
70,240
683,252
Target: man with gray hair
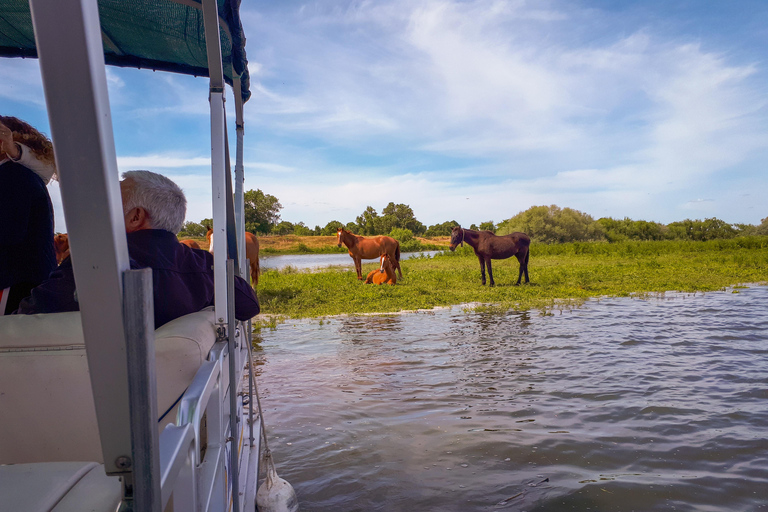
x,y
154,208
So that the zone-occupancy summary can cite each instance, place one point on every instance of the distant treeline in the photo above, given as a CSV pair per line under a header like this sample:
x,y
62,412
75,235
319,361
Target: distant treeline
x,y
544,224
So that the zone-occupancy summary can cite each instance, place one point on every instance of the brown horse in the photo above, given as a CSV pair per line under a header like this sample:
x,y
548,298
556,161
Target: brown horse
x,y
61,246
191,244
488,246
251,253
385,274
361,248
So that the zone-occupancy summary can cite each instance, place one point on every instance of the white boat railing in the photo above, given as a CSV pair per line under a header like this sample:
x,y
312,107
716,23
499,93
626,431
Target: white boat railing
x,y
154,469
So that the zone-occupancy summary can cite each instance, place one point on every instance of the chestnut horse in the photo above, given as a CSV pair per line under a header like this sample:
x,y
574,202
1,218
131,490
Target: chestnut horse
x,y
251,253
361,248
61,246
385,274
488,246
191,244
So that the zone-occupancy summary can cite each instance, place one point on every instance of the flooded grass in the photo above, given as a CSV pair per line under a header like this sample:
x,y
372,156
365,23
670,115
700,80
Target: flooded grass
x,y
561,276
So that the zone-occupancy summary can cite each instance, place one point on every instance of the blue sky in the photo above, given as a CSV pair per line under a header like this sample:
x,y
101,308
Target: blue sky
x,y
469,110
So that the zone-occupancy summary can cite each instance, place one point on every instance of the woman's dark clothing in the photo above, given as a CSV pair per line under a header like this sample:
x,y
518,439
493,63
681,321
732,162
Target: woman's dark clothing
x,y
27,255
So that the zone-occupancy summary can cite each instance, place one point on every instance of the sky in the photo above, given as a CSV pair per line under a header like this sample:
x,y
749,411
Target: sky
x,y
471,110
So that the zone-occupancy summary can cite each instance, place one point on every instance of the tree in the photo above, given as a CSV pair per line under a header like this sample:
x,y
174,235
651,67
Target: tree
x,y
488,226
192,229
300,229
262,211
403,218
762,229
708,229
331,228
366,221
552,224
284,228
443,229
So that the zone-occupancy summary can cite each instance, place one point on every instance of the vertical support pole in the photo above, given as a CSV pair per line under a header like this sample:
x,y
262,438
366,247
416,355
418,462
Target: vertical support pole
x,y
69,44
240,177
234,416
138,310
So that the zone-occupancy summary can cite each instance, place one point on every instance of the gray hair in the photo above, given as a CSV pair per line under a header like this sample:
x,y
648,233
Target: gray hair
x,y
163,200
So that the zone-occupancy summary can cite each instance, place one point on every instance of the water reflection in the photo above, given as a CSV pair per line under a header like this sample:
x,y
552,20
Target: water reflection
x,y
619,405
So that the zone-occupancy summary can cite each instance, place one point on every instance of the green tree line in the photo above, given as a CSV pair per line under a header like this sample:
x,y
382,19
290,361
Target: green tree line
x,y
544,224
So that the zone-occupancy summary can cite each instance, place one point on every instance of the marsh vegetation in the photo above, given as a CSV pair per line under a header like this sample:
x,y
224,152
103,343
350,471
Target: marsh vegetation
x,y
561,275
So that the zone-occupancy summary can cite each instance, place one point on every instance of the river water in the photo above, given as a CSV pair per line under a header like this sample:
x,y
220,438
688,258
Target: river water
x,y
314,261
622,404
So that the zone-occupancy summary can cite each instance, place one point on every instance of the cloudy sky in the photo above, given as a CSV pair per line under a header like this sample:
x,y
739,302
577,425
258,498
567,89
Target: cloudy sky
x,y
470,110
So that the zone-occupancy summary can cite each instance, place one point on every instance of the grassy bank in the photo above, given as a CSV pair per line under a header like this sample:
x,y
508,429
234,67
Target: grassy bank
x,y
560,274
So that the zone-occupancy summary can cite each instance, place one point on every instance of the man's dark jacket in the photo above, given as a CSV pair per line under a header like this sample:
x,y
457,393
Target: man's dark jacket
x,y
182,280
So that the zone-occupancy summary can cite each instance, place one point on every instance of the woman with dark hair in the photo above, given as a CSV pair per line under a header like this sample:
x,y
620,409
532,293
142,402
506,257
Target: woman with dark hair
x,y
27,255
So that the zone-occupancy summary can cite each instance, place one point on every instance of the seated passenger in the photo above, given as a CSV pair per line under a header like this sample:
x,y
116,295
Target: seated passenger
x,y
26,236
182,278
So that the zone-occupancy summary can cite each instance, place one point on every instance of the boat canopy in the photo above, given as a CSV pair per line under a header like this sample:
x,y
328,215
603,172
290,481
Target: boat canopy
x,y
164,35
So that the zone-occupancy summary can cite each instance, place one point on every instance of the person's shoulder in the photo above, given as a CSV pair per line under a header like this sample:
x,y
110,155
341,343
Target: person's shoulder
x,y
16,175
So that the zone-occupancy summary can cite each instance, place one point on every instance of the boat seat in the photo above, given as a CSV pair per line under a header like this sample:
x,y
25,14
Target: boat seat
x,y
48,414
58,487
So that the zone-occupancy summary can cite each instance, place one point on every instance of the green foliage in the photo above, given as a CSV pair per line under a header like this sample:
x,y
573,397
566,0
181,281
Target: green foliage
x,y
708,229
367,221
552,224
284,228
401,235
331,228
443,229
488,226
762,229
262,211
301,230
192,229
628,229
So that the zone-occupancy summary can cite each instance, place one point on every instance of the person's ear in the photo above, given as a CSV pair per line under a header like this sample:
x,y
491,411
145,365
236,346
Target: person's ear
x,y
136,219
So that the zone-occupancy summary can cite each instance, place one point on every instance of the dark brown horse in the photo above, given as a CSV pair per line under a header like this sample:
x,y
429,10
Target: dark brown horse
x,y
488,246
361,248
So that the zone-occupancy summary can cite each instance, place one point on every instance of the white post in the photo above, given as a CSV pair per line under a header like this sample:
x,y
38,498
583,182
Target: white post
x,y
69,44
218,167
240,179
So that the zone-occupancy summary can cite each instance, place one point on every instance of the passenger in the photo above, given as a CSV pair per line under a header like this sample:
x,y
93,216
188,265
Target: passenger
x,y
27,255
182,278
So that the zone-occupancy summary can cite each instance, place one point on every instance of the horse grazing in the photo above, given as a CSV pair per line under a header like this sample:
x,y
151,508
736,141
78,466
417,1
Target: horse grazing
x,y
385,274
61,246
488,246
361,248
191,244
251,253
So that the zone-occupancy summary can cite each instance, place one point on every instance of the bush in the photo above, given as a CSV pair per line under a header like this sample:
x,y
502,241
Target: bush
x,y
552,224
401,235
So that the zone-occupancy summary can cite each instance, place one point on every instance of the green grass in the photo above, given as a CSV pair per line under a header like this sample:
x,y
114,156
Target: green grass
x,y
561,275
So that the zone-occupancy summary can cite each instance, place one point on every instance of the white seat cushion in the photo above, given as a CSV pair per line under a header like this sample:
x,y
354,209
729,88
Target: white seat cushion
x,y
58,487
46,399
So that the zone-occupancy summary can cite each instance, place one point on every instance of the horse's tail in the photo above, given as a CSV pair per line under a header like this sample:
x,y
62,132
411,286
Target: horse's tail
x,y
397,252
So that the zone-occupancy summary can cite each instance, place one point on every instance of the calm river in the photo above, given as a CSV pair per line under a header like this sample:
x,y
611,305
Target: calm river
x,y
313,261
620,405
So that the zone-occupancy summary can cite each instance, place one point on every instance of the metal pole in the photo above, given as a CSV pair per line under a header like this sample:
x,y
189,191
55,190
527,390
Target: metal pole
x,y
69,44
138,310
234,416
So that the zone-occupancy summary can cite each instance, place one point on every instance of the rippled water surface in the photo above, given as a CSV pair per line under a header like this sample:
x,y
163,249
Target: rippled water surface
x,y
620,405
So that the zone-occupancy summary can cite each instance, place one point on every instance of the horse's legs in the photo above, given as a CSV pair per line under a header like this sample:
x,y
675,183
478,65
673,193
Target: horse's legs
x,y
490,271
482,268
524,266
359,268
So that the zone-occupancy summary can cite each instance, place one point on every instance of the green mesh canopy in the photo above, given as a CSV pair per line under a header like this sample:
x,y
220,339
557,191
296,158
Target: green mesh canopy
x,y
165,35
